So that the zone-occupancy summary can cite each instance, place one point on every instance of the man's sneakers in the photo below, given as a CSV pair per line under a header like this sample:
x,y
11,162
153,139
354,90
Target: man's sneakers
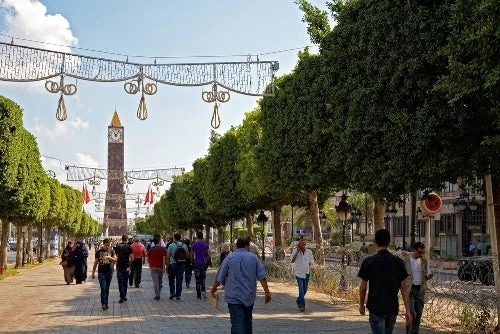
x,y
302,309
104,307
122,300
157,298
171,297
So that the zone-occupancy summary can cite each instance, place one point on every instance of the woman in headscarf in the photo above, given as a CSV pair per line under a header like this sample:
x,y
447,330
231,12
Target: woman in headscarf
x,y
67,263
79,256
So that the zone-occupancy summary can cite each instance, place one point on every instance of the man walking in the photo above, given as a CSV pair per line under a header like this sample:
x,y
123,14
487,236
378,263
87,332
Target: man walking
x,y
418,268
138,253
177,253
302,258
239,272
200,255
386,273
124,253
104,257
157,257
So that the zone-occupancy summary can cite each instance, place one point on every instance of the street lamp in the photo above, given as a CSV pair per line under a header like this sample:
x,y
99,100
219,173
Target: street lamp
x,y
262,218
462,205
343,212
322,219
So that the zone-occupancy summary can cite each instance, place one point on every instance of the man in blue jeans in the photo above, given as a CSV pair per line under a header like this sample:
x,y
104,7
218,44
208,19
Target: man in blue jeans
x,y
104,257
386,273
124,253
239,272
302,258
200,253
176,269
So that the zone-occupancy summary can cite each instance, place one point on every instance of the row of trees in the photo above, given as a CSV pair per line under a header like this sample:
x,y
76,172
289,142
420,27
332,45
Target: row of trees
x,y
402,96
29,197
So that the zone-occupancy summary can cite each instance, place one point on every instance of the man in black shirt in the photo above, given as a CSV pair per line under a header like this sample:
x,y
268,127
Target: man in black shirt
x,y
104,257
124,252
385,272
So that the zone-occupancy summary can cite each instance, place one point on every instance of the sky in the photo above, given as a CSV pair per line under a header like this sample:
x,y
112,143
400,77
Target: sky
x,y
177,129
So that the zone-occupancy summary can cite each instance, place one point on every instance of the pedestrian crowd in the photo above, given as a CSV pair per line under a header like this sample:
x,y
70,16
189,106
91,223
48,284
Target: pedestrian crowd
x,y
383,275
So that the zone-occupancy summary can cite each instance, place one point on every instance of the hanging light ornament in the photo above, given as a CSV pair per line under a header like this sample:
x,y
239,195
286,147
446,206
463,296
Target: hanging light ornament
x,y
213,96
132,87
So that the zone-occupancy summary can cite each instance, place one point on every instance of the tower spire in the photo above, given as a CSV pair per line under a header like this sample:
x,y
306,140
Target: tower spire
x,y
115,121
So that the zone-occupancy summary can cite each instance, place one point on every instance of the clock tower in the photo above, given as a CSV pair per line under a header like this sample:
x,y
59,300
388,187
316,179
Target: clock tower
x,y
115,210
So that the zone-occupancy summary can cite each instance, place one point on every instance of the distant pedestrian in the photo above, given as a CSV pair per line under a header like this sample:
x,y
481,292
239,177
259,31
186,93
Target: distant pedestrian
x,y
386,273
104,259
253,248
224,252
157,257
302,258
200,256
472,249
124,254
239,273
479,247
79,259
177,266
419,270
188,271
138,253
67,263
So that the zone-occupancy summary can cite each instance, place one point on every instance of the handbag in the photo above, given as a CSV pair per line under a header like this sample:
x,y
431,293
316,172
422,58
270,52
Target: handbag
x,y
63,263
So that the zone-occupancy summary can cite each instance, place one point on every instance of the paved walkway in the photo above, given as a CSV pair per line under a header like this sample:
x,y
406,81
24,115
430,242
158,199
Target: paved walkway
x,y
39,301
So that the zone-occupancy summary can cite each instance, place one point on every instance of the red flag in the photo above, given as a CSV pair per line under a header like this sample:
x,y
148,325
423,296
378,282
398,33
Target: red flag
x,y
147,199
151,196
85,194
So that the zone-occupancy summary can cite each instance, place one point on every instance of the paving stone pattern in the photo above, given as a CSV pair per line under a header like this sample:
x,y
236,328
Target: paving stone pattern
x,y
39,301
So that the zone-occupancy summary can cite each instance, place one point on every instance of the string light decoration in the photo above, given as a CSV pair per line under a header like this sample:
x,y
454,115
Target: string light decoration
x,y
25,64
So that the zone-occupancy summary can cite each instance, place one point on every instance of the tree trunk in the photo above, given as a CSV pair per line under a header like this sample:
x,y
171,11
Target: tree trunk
x,y
5,243
378,214
46,245
278,240
207,234
493,216
19,246
220,233
39,244
29,245
413,219
312,201
249,224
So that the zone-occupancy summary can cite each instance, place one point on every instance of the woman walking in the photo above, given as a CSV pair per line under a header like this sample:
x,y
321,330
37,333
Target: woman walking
x,y
79,256
67,263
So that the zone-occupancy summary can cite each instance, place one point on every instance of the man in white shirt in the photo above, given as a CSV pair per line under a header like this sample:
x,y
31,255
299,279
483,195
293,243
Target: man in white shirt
x,y
419,273
302,258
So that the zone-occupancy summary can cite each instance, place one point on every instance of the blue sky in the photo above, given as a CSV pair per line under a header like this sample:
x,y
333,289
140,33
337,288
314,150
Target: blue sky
x,y
177,129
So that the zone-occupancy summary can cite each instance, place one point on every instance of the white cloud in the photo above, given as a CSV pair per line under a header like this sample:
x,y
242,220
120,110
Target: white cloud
x,y
86,160
29,19
59,129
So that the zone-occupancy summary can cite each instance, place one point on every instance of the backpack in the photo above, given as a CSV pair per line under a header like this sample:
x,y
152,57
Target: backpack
x,y
180,255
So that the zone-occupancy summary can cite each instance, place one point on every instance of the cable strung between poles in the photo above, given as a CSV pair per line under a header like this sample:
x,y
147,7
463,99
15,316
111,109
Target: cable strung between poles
x,y
25,64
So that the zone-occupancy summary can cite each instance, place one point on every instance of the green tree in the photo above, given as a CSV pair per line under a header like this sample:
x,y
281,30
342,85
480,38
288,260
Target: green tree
x,y
10,127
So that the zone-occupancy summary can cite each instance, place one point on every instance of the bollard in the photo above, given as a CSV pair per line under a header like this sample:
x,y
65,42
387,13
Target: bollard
x,y
1,270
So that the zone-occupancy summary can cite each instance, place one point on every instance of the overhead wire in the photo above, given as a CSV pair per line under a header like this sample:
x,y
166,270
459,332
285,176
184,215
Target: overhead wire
x,y
150,57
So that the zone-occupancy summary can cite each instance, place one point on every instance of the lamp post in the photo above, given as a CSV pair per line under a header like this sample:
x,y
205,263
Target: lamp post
x,y
461,205
322,219
262,218
390,211
343,212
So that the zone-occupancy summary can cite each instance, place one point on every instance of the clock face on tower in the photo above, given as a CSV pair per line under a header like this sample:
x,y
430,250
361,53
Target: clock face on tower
x,y
115,135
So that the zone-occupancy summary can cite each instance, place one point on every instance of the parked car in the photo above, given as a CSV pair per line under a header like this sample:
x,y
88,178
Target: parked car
x,y
476,267
12,245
